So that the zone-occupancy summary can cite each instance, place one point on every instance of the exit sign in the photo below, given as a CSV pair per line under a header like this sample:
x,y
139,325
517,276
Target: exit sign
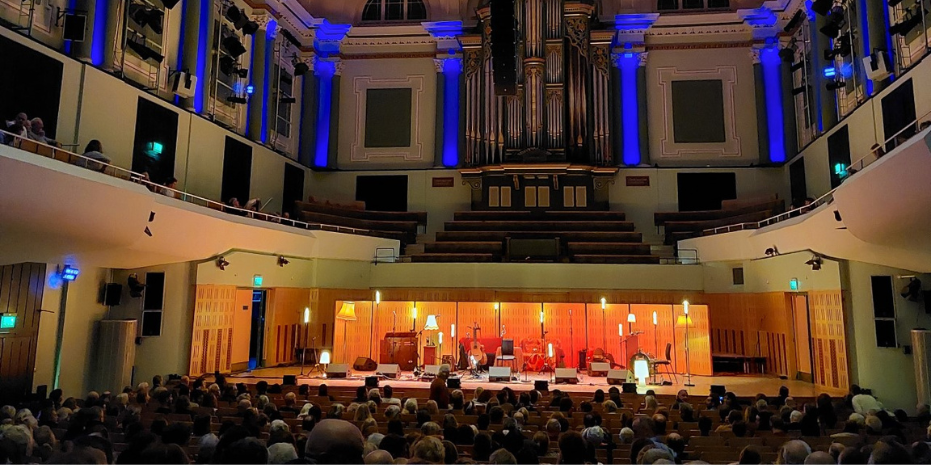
x,y
257,280
793,284
8,321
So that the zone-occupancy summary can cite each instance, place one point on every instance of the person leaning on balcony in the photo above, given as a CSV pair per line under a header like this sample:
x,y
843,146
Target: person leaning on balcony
x,y
94,151
877,150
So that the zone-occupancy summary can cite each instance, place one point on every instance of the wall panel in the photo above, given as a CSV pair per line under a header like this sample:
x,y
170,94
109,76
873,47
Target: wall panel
x,y
754,324
211,344
829,339
21,288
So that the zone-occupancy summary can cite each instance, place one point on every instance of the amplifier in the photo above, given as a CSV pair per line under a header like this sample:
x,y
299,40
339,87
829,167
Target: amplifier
x,y
337,370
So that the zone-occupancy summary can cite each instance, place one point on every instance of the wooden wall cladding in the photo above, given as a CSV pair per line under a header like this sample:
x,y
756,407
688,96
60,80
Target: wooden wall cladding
x,y
829,339
740,321
211,343
284,317
21,289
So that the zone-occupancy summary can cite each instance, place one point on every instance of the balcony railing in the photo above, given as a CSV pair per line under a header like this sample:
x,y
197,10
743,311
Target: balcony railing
x,y
50,151
900,137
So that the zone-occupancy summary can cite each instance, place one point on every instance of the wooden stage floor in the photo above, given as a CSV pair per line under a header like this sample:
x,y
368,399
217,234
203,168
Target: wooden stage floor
x,y
741,385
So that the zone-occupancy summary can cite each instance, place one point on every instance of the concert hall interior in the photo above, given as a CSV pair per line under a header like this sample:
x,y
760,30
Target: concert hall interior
x,y
658,195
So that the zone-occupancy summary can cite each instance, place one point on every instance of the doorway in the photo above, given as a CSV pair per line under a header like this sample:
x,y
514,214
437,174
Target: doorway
x,y
802,324
257,334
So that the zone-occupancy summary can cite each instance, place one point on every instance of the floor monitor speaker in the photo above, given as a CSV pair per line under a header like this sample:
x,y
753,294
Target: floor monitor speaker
x,y
599,369
499,374
388,370
289,380
364,364
567,376
617,377
337,370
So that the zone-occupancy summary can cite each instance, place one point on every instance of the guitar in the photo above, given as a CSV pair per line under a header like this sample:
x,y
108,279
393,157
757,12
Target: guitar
x,y
477,350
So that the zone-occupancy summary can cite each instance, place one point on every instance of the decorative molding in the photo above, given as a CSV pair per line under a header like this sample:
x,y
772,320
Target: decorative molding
x,y
642,59
385,56
387,41
475,183
730,148
602,182
658,47
755,55
361,154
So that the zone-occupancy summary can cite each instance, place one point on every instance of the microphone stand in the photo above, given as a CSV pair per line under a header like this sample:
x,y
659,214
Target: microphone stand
x,y
571,338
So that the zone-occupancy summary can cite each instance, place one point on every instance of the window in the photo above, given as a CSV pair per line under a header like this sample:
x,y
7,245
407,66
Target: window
x,y
394,10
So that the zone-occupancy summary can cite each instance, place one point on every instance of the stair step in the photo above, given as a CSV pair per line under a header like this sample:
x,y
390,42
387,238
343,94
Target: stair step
x,y
494,247
609,248
548,226
616,259
453,257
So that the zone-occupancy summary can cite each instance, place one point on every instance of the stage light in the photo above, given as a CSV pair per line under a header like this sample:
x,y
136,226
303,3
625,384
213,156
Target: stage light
x,y
912,290
250,28
69,273
641,371
233,46
234,15
837,216
236,99
912,19
830,72
301,68
306,315
549,350
282,261
452,331
631,318
135,287
222,263
377,297
440,338
821,7
685,307
835,85
431,324
325,357
602,303
496,306
250,89
815,262
800,90
835,22
414,312
144,52
772,251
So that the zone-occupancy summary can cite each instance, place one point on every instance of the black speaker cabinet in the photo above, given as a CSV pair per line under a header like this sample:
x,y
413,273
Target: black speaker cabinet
x,y
289,380
112,294
541,385
629,388
371,381
453,383
718,389
364,364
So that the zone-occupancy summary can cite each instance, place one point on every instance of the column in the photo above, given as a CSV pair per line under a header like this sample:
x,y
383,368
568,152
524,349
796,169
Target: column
x,y
195,49
770,113
263,58
309,94
630,61
874,35
449,68
327,37
101,35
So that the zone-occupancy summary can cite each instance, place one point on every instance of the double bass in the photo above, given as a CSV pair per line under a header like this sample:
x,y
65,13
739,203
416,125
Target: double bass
x,y
477,349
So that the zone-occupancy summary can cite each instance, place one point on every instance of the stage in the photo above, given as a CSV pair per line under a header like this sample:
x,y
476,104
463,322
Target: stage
x,y
740,385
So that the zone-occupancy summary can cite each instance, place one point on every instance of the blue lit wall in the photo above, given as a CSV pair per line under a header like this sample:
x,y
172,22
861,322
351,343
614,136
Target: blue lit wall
x,y
325,70
204,31
630,124
99,38
452,68
772,90
270,32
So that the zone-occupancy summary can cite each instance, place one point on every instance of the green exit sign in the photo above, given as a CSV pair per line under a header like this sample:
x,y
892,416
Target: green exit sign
x,y
257,280
8,321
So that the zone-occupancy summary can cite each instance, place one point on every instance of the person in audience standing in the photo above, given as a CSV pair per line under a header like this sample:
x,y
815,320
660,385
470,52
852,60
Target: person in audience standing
x,y
94,151
438,390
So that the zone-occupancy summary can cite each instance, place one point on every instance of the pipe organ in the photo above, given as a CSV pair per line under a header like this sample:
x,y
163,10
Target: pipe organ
x,y
563,107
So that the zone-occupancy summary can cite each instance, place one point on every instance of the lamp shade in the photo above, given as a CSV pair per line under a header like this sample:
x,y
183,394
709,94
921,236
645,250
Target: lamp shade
x,y
325,357
684,320
347,312
631,318
431,323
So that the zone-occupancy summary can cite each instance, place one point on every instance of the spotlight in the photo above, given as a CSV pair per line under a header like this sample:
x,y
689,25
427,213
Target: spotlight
x,y
151,217
800,90
835,85
837,216
144,16
135,287
301,68
835,22
821,7
144,52
250,28
815,262
233,46
282,261
222,263
911,290
227,65
912,19
236,99
772,251
234,15
288,100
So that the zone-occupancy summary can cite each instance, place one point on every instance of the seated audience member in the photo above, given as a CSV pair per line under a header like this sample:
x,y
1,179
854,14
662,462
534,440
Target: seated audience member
x,y
704,426
750,455
502,456
851,429
19,125
171,184
889,451
334,441
572,448
36,131
388,398
428,449
281,452
820,458
93,151
793,452
378,457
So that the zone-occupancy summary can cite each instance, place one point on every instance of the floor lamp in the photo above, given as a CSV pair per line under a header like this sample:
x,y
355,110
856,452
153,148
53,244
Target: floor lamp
x,y
430,325
304,342
604,326
686,320
374,311
347,313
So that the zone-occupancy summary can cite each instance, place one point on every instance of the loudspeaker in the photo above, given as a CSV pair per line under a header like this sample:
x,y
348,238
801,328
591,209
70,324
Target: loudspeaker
x,y
617,377
499,374
371,381
599,369
388,370
629,388
718,389
364,364
337,370
567,375
541,385
431,370
184,85
289,380
112,294
454,383
504,47
75,27
927,296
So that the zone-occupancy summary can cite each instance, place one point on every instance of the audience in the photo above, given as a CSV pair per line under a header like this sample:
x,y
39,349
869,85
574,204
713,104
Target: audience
x,y
93,151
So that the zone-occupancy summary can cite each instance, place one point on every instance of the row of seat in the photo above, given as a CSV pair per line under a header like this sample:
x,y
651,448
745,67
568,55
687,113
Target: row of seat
x,y
550,236
683,225
402,226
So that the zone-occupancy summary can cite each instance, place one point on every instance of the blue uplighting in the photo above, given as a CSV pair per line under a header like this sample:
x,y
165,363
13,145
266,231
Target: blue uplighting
x,y
99,37
452,68
634,21
270,33
325,70
630,113
204,32
772,89
865,34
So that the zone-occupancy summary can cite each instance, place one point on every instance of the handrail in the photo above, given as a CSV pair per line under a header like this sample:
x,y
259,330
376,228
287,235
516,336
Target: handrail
x,y
829,196
138,178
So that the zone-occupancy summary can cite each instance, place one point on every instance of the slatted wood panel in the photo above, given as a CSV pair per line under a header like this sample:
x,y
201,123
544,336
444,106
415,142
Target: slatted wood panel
x,y
699,340
829,339
211,343
21,288
566,324
754,324
284,313
602,329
